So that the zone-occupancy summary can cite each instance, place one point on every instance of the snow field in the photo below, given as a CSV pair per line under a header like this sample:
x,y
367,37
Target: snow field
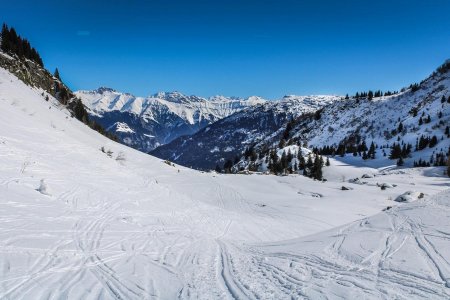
x,y
137,228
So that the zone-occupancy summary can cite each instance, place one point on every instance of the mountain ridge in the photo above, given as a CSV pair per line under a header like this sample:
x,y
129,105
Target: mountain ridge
x,y
162,117
349,121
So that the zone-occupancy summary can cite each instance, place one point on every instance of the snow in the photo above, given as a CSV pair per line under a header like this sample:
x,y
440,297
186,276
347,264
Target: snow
x,y
192,109
128,226
122,127
375,120
401,253
43,189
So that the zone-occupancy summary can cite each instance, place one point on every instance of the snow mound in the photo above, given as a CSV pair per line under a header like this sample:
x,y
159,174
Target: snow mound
x,y
43,188
409,196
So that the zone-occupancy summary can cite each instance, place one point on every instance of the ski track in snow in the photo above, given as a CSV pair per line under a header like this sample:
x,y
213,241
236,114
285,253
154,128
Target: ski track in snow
x,y
140,229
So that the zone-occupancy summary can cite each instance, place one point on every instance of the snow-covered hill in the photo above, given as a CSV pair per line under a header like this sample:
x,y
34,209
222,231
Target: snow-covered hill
x,y
145,123
417,118
83,217
378,120
228,137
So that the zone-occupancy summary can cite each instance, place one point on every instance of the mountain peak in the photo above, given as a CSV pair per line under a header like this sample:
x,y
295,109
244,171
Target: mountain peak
x,y
177,97
104,89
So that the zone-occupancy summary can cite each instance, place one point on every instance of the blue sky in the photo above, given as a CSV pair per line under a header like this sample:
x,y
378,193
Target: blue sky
x,y
237,48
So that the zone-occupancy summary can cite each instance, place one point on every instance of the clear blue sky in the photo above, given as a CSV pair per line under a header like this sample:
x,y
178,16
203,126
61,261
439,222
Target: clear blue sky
x,y
236,47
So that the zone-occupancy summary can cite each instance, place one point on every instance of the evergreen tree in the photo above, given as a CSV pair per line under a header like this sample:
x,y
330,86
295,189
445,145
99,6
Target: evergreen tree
x,y
406,150
253,155
328,162
396,151
301,161
433,141
317,168
283,160
287,130
56,74
309,166
289,156
5,39
364,156
372,151
227,166
80,112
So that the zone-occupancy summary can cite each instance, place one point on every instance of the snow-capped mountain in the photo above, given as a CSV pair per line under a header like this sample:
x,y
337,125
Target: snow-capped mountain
x,y
145,123
417,119
228,137
419,112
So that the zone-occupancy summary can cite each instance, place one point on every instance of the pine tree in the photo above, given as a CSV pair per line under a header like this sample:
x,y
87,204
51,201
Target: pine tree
x,y
433,141
309,166
364,156
328,162
289,156
5,39
372,151
396,151
283,160
287,130
56,74
227,166
301,161
317,168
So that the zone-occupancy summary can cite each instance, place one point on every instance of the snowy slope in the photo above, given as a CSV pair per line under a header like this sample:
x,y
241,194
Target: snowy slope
x,y
421,113
376,120
403,253
160,118
83,217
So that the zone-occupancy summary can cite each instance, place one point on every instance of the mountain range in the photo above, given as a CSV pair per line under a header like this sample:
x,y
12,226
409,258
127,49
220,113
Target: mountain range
x,y
145,123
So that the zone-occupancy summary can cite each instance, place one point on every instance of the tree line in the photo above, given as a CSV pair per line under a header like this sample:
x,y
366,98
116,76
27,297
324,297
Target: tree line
x,y
13,43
